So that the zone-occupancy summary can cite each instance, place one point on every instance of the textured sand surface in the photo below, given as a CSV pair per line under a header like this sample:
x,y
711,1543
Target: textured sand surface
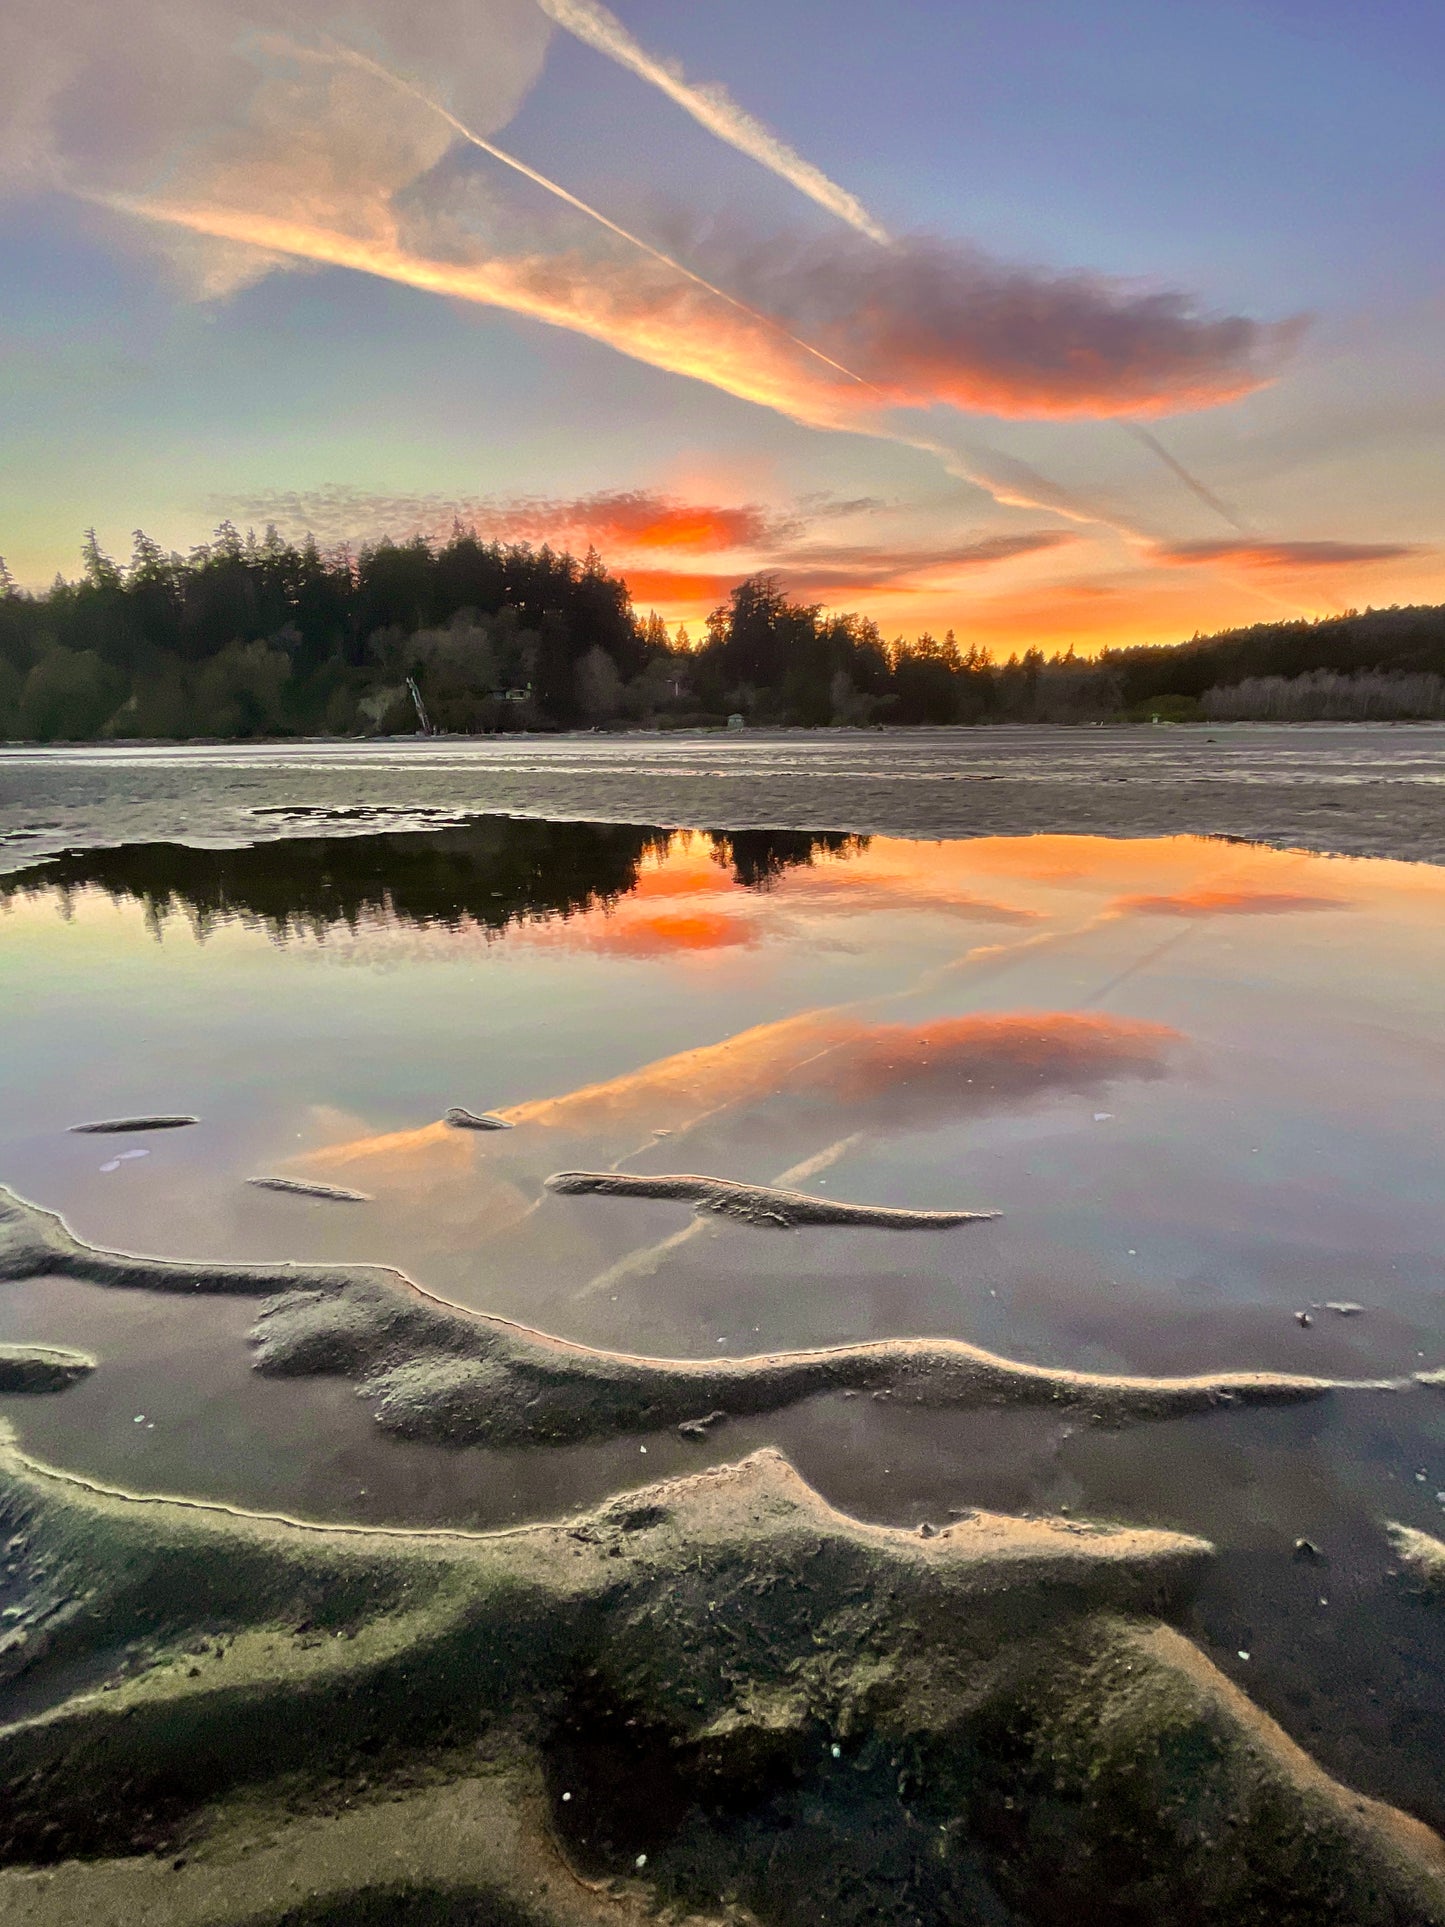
x,y
1370,790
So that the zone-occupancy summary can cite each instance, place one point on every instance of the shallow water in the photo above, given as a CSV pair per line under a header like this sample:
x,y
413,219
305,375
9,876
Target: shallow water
x,y
1199,1080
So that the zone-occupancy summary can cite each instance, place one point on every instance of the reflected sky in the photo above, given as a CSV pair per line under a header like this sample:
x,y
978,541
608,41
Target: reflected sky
x,y
1199,1080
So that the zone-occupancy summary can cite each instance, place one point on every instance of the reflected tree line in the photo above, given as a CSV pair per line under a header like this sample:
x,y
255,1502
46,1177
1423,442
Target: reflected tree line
x,y
492,872
259,637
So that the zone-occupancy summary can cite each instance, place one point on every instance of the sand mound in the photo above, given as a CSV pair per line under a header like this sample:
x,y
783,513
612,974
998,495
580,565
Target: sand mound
x,y
1422,1557
760,1204
465,1120
716,1686
309,1188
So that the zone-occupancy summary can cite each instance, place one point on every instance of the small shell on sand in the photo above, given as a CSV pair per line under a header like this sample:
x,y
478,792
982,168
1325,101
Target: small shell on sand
x,y
116,1126
760,1204
464,1120
304,1188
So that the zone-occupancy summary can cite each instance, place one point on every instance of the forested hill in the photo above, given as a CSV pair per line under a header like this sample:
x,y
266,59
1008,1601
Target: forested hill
x,y
253,637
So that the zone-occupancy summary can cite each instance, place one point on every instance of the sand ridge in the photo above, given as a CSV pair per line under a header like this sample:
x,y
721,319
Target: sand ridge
x,y
757,1204
432,1370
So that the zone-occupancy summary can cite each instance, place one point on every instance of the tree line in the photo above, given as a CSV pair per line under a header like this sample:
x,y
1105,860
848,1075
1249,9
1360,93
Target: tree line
x,y
257,636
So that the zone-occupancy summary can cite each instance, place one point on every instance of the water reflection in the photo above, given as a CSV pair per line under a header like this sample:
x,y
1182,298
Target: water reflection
x,y
1200,1080
491,873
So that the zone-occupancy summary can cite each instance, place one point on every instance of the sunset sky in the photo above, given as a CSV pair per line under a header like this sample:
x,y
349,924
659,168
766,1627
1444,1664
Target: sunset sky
x,y
1052,323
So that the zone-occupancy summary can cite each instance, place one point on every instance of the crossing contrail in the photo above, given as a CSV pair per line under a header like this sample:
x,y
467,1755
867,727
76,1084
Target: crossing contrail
x,y
352,58
713,107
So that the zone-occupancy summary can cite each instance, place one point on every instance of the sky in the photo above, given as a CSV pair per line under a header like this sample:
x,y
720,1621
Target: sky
x,y
1057,324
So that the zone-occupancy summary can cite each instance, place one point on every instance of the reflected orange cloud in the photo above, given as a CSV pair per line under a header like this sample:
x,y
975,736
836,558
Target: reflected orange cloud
x,y
1206,902
623,932
867,889
884,1074
915,1072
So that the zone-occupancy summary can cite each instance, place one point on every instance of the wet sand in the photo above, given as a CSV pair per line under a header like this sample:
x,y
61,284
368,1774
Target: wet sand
x,y
878,1097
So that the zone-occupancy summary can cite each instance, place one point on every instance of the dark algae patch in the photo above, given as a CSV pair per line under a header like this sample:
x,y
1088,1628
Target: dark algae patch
x,y
41,1368
718,1698
431,1370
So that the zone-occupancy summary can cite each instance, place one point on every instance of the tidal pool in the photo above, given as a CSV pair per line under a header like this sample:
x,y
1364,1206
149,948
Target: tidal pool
x,y
1199,1081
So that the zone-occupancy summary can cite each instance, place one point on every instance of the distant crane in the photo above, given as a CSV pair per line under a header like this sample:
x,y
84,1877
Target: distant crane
x,y
421,715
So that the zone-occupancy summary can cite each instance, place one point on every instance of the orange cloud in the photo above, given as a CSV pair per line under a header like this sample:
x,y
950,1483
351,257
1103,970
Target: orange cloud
x,y
828,335
1251,554
679,589
1206,902
618,520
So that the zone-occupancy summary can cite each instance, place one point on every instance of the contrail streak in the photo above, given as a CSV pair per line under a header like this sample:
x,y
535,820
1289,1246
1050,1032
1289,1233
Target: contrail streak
x,y
1211,500
354,59
1177,468
712,107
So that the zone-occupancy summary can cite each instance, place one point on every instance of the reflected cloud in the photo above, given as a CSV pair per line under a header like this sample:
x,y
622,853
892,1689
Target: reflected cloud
x,y
1206,902
879,1075
630,932
890,892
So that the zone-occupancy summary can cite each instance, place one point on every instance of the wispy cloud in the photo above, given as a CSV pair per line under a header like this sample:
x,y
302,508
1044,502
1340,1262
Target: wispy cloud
x,y
935,327
713,107
277,148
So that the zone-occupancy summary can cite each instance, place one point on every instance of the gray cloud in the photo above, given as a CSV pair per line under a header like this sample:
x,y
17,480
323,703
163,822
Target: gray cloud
x,y
225,100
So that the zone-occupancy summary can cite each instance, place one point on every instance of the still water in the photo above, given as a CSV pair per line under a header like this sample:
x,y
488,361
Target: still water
x,y
1200,1081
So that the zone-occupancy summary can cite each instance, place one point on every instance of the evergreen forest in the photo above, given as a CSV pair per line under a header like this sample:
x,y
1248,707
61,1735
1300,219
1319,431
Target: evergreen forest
x,y
261,637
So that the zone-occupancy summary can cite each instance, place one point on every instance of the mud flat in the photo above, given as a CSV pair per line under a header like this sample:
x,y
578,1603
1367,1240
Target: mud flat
x,y
433,1371
759,1204
1368,790
716,1686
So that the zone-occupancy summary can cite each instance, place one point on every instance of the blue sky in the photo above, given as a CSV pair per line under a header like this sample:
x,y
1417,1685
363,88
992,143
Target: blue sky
x,y
246,275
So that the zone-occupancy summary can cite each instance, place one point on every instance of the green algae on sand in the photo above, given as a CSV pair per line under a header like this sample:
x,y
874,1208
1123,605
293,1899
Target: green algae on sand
x,y
718,1686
